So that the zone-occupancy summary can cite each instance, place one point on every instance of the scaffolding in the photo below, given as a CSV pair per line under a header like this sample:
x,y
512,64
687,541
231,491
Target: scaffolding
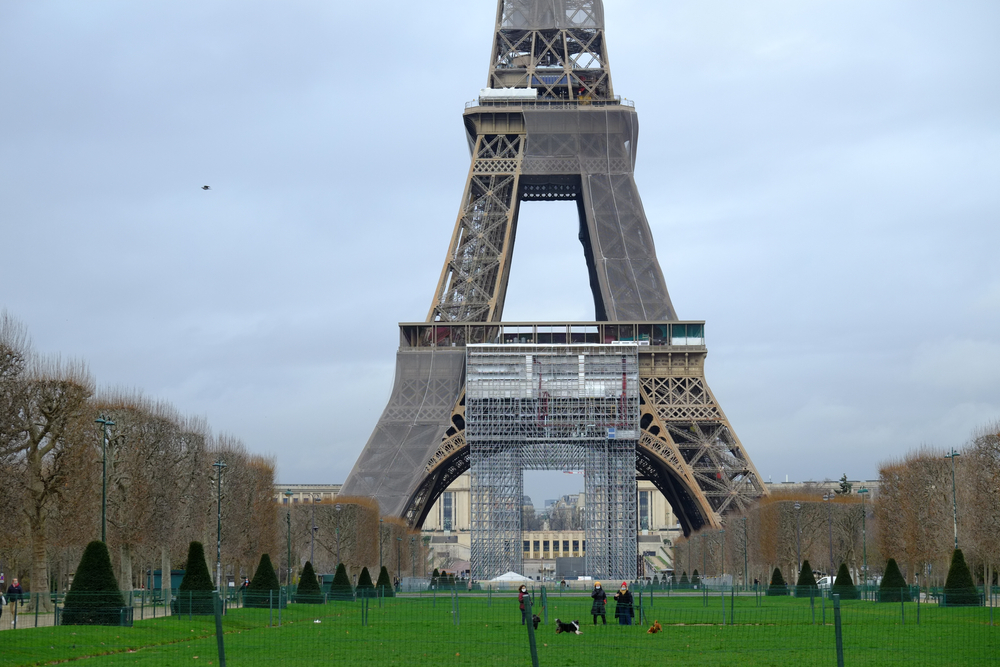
x,y
553,407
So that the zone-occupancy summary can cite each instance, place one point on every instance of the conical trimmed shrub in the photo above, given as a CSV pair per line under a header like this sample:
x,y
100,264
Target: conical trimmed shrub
x,y
777,585
959,588
94,598
806,581
264,590
341,588
695,579
365,585
893,587
196,594
383,585
843,585
684,580
309,591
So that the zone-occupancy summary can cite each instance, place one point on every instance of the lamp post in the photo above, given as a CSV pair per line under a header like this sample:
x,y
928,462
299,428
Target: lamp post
x,y
106,423
827,497
864,539
798,535
722,538
218,465
337,507
312,537
288,522
954,501
380,546
399,544
746,575
704,560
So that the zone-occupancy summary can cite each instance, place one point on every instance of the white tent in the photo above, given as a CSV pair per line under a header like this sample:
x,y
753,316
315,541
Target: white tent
x,y
511,576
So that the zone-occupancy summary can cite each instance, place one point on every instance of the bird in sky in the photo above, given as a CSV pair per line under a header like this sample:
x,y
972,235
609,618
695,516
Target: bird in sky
x,y
206,187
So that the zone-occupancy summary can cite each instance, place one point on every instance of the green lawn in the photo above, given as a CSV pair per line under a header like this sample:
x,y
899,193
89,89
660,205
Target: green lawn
x,y
428,631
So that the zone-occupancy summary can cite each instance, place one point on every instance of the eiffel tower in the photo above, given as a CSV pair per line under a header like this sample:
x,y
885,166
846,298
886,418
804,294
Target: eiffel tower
x,y
549,127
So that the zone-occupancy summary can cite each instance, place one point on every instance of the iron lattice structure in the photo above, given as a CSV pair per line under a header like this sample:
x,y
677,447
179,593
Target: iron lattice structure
x,y
548,128
553,407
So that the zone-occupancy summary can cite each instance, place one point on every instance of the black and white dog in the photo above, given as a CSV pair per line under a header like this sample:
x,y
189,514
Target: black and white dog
x,y
573,627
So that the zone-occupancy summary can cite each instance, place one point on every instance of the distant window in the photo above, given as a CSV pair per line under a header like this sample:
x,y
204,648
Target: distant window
x,y
448,509
576,545
565,545
644,510
585,545
295,501
527,545
284,501
545,545
536,546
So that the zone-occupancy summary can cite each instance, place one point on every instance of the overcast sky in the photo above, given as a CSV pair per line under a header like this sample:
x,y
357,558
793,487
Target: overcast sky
x,y
822,179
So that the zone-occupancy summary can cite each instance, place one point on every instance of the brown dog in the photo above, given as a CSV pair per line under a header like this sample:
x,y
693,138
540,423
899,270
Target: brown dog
x,y
656,627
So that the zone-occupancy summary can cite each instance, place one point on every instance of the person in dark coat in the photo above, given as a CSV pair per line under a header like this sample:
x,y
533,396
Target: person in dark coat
x,y
600,606
15,594
521,594
623,609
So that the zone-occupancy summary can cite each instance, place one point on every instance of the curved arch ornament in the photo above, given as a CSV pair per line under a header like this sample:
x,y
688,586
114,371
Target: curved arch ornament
x,y
548,127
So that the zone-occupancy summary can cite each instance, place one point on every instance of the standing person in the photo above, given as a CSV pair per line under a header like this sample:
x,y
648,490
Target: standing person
x,y
600,606
14,595
623,610
521,594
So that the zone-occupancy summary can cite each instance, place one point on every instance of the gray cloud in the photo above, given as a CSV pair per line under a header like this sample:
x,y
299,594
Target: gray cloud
x,y
820,178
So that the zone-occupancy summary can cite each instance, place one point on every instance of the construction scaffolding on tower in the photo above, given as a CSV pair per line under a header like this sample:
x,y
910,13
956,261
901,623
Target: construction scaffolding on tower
x,y
553,407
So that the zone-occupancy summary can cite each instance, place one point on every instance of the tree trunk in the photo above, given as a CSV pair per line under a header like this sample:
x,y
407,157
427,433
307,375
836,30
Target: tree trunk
x,y
125,583
165,574
39,564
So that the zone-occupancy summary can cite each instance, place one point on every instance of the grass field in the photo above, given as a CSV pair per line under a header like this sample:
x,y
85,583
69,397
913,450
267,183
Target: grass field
x,y
487,631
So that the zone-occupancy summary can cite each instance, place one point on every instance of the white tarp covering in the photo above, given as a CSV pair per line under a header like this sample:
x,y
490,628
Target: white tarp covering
x,y
511,576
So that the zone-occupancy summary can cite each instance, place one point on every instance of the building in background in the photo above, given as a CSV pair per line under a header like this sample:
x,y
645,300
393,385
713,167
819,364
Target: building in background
x,y
551,538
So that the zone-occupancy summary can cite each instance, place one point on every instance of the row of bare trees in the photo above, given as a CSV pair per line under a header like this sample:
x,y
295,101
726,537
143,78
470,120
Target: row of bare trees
x,y
773,533
349,530
910,515
161,487
923,500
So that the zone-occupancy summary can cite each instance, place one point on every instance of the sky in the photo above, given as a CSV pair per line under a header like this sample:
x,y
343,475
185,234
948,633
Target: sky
x,y
822,179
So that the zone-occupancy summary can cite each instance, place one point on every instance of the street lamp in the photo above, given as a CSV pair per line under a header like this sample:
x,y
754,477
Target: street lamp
x,y
864,539
218,465
106,422
954,502
399,544
288,521
798,533
337,507
722,538
827,497
312,540
746,575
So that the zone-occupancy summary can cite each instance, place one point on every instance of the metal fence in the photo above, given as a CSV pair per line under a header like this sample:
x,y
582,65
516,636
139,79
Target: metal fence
x,y
445,626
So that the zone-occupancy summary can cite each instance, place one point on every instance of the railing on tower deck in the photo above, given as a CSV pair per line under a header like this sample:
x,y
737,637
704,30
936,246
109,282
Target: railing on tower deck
x,y
549,103
688,336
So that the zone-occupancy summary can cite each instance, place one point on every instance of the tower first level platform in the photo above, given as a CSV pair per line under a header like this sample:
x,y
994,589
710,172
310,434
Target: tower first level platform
x,y
686,446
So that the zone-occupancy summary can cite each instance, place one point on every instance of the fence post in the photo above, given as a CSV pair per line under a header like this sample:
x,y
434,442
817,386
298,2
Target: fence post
x,y
38,601
270,608
812,602
822,601
838,631
218,632
531,632
732,606
545,605
190,614
722,595
902,608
